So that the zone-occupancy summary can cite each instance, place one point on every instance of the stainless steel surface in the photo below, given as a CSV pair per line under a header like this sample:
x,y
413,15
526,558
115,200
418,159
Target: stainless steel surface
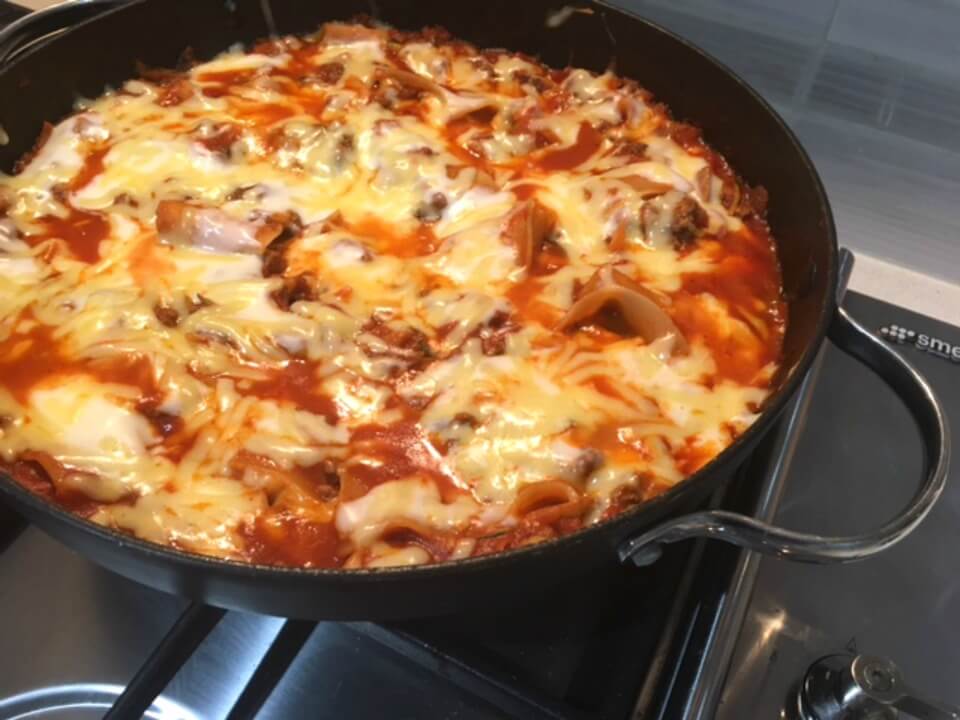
x,y
863,687
769,539
74,635
79,701
905,604
64,611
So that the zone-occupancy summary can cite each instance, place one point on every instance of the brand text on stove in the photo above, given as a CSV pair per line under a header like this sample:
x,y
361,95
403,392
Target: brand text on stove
x,y
921,341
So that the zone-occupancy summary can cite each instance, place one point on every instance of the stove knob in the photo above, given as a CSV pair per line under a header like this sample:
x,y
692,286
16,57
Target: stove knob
x,y
848,687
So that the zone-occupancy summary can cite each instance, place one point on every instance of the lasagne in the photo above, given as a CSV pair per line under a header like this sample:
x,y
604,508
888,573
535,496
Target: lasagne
x,y
372,298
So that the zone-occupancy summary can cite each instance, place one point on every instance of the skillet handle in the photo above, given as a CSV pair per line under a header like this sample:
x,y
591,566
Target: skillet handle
x,y
23,32
752,534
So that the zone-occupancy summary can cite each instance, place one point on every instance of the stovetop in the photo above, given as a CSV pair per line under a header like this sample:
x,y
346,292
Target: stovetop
x,y
853,466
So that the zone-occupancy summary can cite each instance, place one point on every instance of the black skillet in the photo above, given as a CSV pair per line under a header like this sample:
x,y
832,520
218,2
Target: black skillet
x,y
42,82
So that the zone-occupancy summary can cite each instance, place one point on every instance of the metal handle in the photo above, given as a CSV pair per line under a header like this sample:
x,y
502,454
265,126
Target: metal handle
x,y
752,534
844,687
22,33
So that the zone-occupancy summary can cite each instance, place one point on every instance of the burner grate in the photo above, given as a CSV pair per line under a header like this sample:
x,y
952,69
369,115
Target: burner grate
x,y
186,635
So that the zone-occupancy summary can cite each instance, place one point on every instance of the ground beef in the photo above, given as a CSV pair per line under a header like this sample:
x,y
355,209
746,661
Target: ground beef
x,y
329,73
431,210
295,289
689,221
166,314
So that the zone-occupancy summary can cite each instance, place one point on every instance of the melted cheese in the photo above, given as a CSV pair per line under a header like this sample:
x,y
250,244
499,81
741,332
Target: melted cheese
x,y
414,499
399,307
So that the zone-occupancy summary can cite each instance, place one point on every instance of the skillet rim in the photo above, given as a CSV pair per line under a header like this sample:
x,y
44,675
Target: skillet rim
x,y
628,522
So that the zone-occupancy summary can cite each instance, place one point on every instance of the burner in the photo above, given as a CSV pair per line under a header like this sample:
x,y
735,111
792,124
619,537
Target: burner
x,y
839,687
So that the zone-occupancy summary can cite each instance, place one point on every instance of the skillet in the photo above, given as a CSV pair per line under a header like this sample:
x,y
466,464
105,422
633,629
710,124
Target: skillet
x,y
42,82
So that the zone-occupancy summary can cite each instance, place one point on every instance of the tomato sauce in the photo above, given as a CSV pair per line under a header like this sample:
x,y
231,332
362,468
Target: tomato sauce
x,y
148,262
393,452
285,539
218,84
691,457
92,166
479,118
81,230
262,115
746,277
588,142
525,298
298,385
26,359
387,240
29,359
616,442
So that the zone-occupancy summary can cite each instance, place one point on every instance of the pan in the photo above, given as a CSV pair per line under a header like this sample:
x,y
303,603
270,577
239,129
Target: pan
x,y
104,42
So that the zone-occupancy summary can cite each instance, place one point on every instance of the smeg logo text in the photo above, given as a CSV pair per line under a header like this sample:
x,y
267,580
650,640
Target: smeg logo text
x,y
921,341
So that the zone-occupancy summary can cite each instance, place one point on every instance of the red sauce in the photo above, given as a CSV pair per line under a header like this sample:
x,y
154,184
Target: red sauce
x,y
393,452
285,539
616,442
313,105
82,231
479,118
691,457
747,278
457,127
148,261
548,258
92,166
29,359
387,240
298,385
530,531
263,114
406,534
216,91
525,191
588,142
525,297
219,84
300,64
